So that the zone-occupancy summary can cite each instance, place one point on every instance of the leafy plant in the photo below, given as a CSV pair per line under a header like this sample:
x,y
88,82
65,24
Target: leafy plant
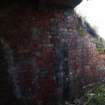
x,y
96,96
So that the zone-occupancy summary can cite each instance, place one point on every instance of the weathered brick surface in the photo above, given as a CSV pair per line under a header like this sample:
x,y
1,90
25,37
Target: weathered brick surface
x,y
50,59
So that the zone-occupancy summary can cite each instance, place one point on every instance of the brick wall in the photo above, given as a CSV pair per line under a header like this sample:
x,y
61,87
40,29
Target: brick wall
x,y
50,59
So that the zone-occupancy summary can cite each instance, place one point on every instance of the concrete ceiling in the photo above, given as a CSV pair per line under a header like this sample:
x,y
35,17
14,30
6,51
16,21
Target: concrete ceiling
x,y
45,3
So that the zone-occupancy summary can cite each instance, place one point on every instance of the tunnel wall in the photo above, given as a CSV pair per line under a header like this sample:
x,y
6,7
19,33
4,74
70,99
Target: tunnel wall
x,y
54,59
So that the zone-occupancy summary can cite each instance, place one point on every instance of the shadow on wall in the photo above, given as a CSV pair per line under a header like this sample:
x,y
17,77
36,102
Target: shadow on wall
x,y
6,86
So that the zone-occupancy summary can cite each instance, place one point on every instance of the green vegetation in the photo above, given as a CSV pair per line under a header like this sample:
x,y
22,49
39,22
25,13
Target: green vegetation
x,y
100,45
96,96
82,32
100,48
79,27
